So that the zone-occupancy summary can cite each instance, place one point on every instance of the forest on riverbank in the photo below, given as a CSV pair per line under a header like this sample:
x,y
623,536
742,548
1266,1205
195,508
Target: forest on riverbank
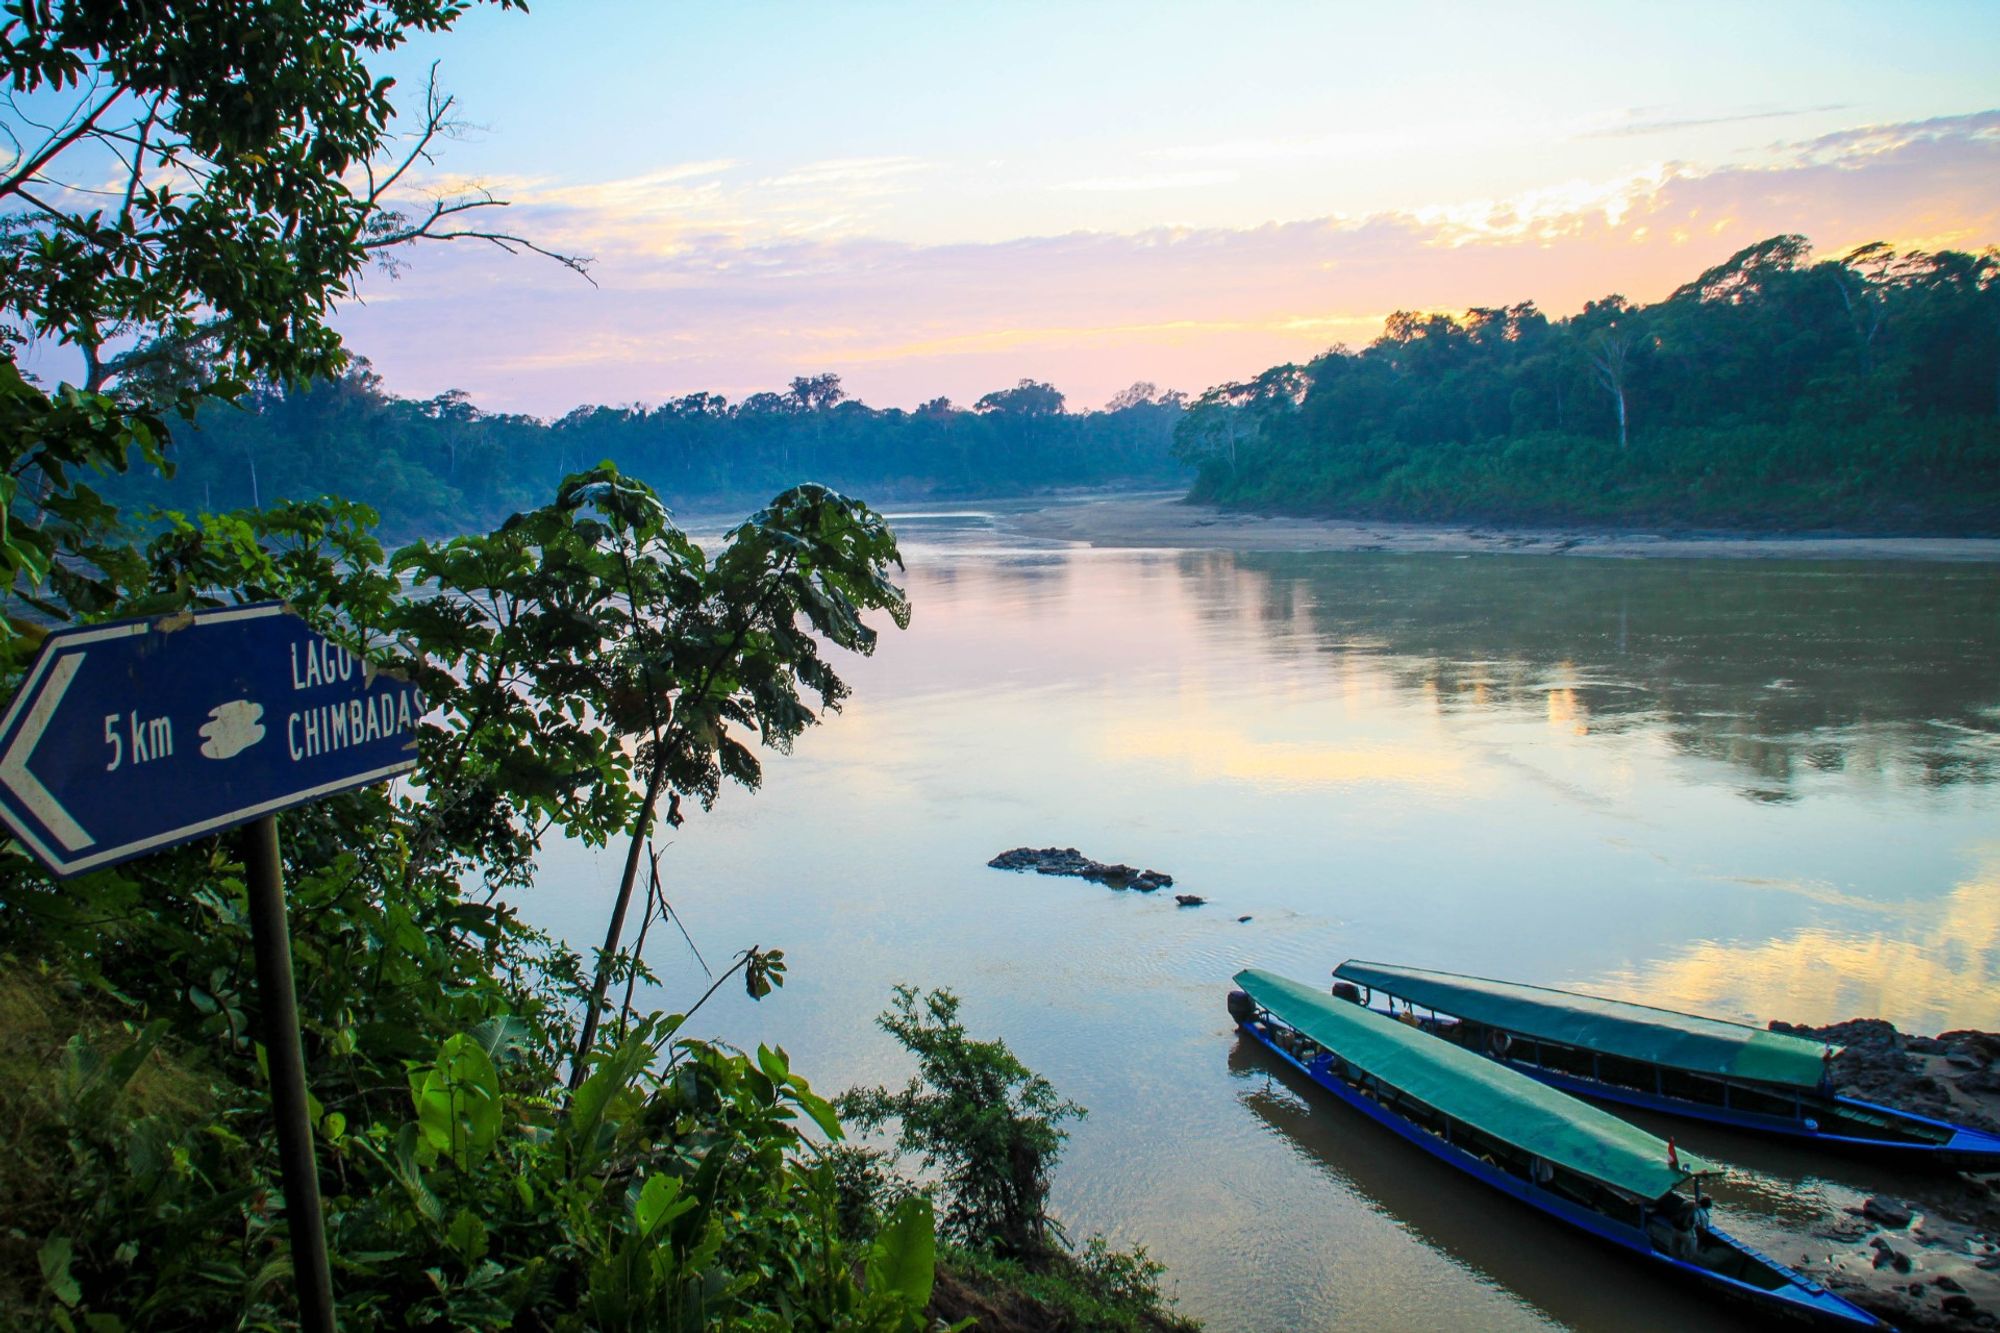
x,y
1775,391
445,465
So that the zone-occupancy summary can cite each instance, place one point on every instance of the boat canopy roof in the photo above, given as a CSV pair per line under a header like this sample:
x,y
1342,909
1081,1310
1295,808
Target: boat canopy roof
x,y
1482,1093
1609,1027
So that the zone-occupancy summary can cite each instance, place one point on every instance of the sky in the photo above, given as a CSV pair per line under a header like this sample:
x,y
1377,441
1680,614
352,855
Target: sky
x,y
944,199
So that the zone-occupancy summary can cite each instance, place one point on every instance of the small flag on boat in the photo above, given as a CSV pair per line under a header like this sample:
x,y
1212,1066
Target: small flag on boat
x,y
1673,1158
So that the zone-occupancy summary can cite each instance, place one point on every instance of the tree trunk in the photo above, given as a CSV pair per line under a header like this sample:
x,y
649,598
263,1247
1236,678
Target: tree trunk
x,y
640,828
1621,417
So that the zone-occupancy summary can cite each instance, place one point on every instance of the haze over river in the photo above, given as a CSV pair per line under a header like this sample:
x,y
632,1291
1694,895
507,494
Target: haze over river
x,y
1750,789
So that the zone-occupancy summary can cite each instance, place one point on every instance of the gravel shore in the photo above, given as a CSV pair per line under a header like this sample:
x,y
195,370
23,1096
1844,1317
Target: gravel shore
x,y
1163,519
1929,1257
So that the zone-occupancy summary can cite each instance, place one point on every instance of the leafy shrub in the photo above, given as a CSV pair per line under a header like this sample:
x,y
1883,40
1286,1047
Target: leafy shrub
x,y
990,1126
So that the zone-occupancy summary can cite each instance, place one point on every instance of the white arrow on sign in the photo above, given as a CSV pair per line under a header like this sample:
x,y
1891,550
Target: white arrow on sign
x,y
41,802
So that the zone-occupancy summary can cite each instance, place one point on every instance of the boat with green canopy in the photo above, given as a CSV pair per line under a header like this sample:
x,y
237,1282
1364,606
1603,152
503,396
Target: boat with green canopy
x,y
1684,1064
1570,1160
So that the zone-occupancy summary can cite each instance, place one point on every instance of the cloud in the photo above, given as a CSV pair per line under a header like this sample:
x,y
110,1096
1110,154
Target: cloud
x,y
1855,146
710,281
1173,180
1640,121
848,173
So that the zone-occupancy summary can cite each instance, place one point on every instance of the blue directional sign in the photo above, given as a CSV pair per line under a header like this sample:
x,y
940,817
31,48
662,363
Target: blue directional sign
x,y
135,735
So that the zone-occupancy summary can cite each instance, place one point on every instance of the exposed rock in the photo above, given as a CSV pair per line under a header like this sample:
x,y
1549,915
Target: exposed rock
x,y
1887,1211
1985,1045
1069,861
1879,1064
1986,1080
1842,1228
1888,1256
1189,899
1952,1216
1239,920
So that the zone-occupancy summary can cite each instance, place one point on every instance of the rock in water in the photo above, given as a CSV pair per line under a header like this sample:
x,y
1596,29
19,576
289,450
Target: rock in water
x,y
1069,861
1189,899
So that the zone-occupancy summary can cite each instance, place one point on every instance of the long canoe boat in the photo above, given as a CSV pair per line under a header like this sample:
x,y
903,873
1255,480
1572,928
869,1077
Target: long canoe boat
x,y
1578,1164
1704,1068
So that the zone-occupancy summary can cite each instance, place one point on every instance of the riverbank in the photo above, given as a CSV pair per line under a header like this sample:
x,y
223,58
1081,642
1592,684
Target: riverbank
x,y
1164,520
1929,1259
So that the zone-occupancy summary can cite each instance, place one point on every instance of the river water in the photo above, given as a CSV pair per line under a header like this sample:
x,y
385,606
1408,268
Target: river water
x,y
1750,789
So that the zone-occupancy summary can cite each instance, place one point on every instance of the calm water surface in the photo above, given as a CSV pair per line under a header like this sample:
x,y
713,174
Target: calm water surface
x,y
1747,789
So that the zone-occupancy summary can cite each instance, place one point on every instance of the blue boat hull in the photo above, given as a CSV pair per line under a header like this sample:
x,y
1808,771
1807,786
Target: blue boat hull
x,y
1967,1149
1804,1302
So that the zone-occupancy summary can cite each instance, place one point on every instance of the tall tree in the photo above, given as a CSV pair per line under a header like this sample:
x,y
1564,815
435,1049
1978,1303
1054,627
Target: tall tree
x,y
1613,334
253,169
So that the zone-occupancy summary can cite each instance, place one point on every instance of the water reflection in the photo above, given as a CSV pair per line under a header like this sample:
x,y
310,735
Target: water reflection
x,y
1778,670
1940,964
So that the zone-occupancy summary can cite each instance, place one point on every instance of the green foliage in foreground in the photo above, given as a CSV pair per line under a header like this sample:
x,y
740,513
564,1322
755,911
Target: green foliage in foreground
x,y
986,1132
1772,392
973,1113
675,1188
1098,1288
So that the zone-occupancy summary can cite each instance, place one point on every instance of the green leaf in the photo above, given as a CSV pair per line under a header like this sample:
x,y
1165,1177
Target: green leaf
x,y
819,1108
458,1101
55,1256
411,1176
505,1038
904,1257
467,1237
660,1202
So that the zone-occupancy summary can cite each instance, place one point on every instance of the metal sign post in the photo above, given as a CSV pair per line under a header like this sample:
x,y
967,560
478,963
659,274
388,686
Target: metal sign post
x,y
271,940
138,735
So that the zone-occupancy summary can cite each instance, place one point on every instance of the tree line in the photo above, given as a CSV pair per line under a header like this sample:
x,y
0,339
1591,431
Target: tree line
x,y
443,464
1776,390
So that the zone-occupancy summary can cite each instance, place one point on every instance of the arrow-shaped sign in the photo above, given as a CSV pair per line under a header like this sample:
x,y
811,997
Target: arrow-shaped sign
x,y
136,735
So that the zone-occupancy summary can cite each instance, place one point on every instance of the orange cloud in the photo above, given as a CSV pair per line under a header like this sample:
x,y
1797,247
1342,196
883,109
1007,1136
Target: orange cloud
x,y
711,284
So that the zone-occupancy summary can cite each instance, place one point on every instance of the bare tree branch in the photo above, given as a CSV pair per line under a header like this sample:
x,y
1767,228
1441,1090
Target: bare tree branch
x,y
139,161
54,148
446,208
437,108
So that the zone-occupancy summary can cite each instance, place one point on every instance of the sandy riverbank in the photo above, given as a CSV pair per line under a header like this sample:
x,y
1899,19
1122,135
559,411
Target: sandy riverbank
x,y
1164,520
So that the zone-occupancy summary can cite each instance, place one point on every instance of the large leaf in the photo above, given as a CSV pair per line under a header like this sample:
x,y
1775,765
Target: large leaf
x,y
458,1101
904,1257
505,1038
660,1202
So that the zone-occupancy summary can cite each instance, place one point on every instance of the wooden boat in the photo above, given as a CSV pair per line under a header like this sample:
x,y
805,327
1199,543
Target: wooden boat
x,y
1705,1068
1578,1164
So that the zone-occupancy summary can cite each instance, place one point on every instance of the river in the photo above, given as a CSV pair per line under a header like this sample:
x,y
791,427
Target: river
x,y
1750,789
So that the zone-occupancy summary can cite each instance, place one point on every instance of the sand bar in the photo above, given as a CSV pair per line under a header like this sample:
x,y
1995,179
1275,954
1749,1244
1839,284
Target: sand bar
x,y
1163,519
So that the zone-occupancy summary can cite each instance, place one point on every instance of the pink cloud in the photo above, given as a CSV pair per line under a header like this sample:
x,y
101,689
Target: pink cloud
x,y
707,293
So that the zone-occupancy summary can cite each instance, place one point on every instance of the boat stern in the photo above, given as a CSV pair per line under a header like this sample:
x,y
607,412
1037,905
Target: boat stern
x,y
1972,1150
